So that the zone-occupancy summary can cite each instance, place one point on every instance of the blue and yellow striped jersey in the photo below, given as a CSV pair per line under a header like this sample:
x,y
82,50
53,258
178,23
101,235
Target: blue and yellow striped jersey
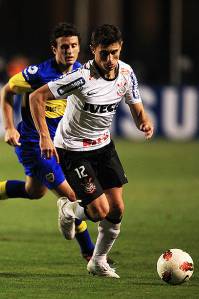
x,y
31,78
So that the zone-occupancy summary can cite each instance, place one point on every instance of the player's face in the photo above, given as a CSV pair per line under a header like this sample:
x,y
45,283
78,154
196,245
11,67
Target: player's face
x,y
107,57
66,50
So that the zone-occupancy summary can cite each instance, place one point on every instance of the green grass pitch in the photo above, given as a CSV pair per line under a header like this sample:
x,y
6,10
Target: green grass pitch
x,y
162,212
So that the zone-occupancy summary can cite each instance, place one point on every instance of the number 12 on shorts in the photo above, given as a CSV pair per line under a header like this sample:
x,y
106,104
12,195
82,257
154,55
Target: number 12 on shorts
x,y
81,171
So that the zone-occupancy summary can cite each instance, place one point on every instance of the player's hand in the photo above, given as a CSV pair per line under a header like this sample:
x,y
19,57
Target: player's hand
x,y
47,148
147,128
12,137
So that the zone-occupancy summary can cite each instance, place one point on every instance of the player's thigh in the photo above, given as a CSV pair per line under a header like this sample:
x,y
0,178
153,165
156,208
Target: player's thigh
x,y
110,170
49,173
116,203
81,176
35,188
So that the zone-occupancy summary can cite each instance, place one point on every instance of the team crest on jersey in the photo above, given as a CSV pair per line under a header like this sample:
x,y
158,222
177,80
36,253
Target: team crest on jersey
x,y
32,69
121,89
88,186
50,177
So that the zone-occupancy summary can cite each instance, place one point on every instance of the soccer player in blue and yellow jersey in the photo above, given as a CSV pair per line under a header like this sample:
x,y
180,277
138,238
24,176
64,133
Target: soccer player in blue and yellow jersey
x,y
41,173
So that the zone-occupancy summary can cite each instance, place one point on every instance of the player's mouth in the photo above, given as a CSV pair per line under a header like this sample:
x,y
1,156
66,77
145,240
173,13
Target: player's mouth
x,y
110,66
69,58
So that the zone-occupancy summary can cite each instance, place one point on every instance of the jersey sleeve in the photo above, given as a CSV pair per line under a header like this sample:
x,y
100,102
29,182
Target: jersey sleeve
x,y
32,75
67,84
18,84
132,95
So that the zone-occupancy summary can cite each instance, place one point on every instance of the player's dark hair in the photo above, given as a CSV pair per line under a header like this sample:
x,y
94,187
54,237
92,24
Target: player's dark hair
x,y
63,29
105,35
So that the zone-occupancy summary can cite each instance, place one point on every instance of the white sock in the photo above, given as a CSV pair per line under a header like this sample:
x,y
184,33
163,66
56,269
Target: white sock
x,y
79,212
107,234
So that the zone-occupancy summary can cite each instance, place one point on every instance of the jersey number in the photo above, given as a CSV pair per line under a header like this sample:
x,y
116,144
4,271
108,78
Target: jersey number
x,y
81,172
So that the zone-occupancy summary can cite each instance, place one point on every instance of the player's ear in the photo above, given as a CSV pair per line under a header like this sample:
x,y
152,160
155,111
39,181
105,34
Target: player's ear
x,y
53,49
92,49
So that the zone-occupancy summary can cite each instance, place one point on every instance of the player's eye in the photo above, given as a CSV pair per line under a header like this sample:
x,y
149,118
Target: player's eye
x,y
104,54
114,52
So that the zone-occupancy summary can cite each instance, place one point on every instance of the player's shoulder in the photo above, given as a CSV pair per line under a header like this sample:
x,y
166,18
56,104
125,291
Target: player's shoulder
x,y
79,70
77,65
32,71
125,68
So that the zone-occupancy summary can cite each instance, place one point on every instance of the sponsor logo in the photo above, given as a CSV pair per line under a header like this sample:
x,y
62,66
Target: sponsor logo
x,y
99,140
90,93
135,90
71,86
50,177
100,108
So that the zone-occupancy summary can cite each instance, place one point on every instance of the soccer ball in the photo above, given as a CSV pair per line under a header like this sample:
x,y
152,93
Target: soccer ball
x,y
175,266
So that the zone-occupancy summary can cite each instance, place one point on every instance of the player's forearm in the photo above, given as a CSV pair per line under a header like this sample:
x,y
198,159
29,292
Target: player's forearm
x,y
138,113
7,107
141,119
37,108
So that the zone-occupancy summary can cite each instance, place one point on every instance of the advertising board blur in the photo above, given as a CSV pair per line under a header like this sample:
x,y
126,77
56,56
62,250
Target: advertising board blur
x,y
174,111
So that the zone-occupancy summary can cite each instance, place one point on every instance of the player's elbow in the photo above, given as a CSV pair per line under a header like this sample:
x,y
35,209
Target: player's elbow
x,y
37,101
33,97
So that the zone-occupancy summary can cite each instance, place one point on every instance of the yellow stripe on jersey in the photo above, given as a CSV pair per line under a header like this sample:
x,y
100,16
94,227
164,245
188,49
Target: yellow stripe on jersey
x,y
81,228
19,85
55,108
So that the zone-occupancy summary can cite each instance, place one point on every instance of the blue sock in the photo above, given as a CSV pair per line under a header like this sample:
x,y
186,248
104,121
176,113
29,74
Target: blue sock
x,y
83,238
16,189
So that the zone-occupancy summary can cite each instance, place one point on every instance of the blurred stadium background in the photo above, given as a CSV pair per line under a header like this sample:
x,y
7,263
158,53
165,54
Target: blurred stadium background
x,y
161,42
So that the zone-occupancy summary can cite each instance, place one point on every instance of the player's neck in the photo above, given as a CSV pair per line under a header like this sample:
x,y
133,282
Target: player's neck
x,y
109,75
65,68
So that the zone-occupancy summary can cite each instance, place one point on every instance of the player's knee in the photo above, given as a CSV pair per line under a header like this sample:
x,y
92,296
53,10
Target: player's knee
x,y
117,210
102,212
99,212
36,195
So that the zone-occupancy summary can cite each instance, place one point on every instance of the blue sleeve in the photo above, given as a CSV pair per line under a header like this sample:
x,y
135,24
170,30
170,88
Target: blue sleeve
x,y
31,74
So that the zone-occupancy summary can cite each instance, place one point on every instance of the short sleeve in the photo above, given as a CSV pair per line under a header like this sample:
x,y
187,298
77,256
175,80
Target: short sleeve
x,y
31,75
132,95
67,84
18,84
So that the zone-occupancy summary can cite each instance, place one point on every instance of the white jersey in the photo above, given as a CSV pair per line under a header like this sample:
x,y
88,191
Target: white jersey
x,y
91,104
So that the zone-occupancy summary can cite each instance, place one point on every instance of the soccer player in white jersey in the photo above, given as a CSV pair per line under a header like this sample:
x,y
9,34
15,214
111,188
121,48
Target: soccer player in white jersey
x,y
83,144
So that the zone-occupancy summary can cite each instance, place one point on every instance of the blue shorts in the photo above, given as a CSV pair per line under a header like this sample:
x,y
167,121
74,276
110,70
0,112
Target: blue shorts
x,y
47,171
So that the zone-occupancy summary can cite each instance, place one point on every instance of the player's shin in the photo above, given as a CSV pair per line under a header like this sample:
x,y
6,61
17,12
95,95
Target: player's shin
x,y
13,189
107,234
83,238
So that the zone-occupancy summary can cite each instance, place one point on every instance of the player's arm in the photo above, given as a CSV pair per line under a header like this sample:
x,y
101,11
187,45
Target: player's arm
x,y
37,107
11,134
141,119
65,86
133,99
16,85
